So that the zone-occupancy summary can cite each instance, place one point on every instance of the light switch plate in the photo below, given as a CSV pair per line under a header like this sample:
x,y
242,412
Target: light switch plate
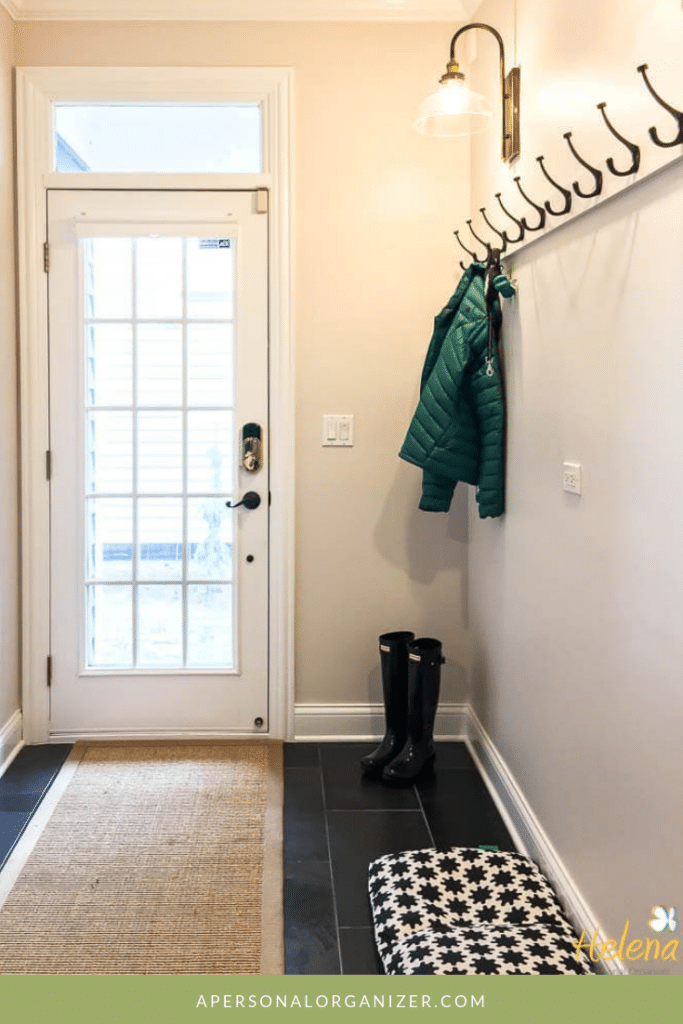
x,y
337,431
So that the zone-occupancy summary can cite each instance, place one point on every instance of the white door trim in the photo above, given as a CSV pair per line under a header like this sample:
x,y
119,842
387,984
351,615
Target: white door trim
x,y
36,90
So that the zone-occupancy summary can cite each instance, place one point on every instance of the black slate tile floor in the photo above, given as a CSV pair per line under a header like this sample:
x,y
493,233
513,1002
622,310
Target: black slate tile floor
x,y
336,820
23,786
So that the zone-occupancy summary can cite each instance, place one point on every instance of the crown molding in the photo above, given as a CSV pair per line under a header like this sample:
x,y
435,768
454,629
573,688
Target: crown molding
x,y
11,7
241,10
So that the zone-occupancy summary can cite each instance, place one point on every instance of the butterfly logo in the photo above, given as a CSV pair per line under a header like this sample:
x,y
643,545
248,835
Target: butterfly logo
x,y
663,919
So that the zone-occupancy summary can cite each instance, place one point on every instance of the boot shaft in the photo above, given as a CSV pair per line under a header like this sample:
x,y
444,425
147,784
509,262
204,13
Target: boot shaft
x,y
391,642
393,653
393,656
424,682
426,651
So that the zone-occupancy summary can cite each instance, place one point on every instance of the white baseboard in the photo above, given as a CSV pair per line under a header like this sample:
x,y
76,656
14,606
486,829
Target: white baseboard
x,y
365,722
11,740
529,835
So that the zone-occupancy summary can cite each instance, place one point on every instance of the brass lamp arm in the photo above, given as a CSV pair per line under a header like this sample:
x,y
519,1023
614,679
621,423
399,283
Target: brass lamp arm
x,y
505,97
489,28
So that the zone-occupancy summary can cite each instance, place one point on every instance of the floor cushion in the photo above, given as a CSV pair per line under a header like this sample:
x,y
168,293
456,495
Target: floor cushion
x,y
469,911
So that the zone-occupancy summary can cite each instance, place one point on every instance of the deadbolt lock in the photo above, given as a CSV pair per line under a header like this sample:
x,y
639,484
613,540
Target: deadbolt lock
x,y
252,447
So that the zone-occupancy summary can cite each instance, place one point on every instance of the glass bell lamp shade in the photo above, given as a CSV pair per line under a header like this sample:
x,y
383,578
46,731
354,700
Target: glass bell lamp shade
x,y
453,110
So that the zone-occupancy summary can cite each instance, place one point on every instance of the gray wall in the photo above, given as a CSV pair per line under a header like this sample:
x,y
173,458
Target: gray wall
x,y
575,602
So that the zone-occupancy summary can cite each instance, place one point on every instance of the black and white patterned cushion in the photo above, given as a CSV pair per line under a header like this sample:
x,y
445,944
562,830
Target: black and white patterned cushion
x,y
469,911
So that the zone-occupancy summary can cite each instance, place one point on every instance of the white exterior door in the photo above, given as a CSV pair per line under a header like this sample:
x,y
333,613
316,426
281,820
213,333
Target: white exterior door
x,y
158,336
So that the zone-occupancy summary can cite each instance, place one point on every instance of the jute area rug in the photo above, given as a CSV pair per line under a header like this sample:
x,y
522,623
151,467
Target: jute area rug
x,y
148,858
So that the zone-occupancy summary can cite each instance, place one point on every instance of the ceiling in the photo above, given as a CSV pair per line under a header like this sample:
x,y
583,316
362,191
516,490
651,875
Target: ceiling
x,y
451,11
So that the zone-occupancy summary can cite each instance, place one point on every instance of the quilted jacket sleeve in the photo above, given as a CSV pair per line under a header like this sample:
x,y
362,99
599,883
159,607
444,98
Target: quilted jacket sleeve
x,y
488,405
441,384
437,492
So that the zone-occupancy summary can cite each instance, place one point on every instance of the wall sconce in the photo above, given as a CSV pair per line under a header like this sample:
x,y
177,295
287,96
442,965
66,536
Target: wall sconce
x,y
456,110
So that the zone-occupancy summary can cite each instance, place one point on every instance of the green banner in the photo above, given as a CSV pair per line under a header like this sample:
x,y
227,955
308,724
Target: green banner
x,y
203,998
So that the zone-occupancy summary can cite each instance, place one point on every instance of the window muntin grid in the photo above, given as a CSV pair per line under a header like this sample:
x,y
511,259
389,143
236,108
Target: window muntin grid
x,y
159,452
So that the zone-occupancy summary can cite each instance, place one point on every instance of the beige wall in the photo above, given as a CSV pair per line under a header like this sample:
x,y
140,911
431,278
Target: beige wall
x,y
9,570
576,603
375,206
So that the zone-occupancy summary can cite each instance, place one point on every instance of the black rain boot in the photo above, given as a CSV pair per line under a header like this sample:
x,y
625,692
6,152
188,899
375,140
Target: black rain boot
x,y
393,656
424,680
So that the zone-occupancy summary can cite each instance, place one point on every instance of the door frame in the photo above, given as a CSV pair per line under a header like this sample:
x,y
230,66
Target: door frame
x,y
36,90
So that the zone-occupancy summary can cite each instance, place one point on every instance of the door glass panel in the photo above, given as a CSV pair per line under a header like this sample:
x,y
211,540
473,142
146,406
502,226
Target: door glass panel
x,y
163,137
160,539
108,277
209,364
160,364
109,617
109,363
209,615
209,535
160,625
209,278
210,452
159,277
108,452
160,452
109,539
160,463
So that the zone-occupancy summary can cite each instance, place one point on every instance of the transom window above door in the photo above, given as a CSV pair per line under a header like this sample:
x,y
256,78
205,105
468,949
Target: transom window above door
x,y
174,138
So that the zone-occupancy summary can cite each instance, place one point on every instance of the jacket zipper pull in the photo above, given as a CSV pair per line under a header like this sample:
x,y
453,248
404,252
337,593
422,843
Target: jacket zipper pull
x,y
489,342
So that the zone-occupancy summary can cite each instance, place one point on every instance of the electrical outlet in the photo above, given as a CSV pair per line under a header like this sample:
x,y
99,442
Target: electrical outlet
x,y
571,477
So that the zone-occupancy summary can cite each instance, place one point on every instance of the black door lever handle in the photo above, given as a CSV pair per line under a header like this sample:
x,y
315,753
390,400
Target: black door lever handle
x,y
251,500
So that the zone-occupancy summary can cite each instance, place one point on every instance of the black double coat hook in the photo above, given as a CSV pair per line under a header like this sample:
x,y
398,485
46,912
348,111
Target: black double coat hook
x,y
541,211
483,242
501,234
677,114
597,174
631,146
510,241
565,192
468,251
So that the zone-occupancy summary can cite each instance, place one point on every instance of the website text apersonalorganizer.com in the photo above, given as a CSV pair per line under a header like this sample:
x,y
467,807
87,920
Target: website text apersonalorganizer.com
x,y
395,1001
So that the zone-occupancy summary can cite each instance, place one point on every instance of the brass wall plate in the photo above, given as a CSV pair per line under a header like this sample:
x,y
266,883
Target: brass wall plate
x,y
511,145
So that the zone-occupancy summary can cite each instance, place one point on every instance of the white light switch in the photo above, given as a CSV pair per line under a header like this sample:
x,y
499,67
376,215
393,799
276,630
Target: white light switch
x,y
337,431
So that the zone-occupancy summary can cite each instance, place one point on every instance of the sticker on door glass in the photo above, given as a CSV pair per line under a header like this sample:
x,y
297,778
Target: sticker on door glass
x,y
214,243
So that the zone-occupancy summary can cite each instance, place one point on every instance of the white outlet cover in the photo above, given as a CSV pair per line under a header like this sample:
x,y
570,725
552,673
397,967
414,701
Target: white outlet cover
x,y
571,477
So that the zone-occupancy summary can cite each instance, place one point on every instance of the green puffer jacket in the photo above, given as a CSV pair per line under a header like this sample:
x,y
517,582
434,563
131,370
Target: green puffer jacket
x,y
457,430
